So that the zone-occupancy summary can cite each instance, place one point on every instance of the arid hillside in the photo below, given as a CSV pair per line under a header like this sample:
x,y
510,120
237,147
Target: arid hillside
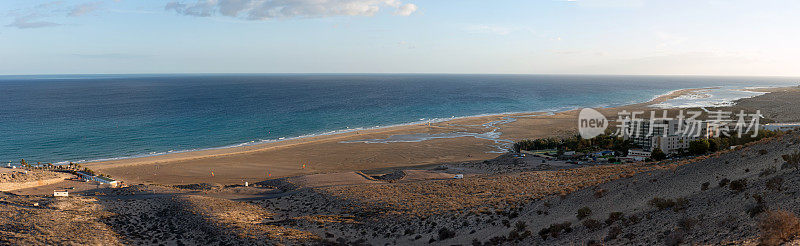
x,y
744,196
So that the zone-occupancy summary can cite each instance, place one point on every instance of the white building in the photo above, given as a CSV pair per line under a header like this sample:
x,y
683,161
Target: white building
x,y
60,193
781,126
100,179
671,136
672,144
638,154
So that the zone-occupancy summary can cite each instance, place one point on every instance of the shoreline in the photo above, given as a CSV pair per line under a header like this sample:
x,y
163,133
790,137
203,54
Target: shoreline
x,y
256,143
347,151
327,153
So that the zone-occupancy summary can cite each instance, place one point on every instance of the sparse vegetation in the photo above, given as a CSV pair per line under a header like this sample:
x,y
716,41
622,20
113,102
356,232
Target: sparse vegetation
x,y
584,212
599,193
681,204
774,184
445,233
592,224
778,227
674,238
767,171
792,160
704,186
687,223
738,185
724,182
662,203
556,229
665,203
519,232
614,217
613,233
632,220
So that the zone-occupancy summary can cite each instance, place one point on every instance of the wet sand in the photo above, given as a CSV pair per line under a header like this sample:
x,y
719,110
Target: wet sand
x,y
324,154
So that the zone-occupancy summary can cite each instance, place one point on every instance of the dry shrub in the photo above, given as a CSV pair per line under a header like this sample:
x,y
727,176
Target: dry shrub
x,y
445,233
662,203
738,185
674,238
774,184
613,233
724,182
768,171
792,160
584,212
704,186
687,223
632,220
614,217
778,226
599,193
592,224
555,229
681,204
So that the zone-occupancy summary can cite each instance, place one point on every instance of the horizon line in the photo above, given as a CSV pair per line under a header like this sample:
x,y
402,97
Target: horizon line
x,y
388,73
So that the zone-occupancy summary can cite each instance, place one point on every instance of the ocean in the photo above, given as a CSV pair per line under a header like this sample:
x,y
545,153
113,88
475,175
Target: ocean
x,y
78,118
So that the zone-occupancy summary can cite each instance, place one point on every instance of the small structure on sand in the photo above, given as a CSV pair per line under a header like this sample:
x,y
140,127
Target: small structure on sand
x,y
62,193
459,176
782,126
96,178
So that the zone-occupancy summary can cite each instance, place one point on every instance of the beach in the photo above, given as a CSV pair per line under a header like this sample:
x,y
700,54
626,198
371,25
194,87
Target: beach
x,y
343,152
412,203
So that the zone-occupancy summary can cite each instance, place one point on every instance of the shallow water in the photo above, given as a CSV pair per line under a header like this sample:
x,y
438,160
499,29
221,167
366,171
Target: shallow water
x,y
715,97
95,117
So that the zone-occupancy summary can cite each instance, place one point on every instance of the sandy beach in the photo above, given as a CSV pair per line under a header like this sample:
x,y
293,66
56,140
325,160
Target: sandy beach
x,y
689,200
330,153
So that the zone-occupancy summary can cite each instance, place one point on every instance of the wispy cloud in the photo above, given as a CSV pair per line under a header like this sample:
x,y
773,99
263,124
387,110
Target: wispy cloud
x,y
37,15
30,21
279,9
85,8
32,17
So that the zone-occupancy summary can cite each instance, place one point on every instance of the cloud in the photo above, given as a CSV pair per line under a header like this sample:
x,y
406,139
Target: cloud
x,y
30,21
82,9
34,17
278,9
406,9
31,17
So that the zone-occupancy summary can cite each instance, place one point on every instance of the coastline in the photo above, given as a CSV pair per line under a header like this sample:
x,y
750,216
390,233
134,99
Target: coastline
x,y
256,143
327,153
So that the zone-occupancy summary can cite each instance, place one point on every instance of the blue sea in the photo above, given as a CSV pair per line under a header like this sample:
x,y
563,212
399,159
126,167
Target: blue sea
x,y
61,118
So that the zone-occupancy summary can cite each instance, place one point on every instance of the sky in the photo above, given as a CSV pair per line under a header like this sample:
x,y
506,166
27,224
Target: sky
x,y
636,37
